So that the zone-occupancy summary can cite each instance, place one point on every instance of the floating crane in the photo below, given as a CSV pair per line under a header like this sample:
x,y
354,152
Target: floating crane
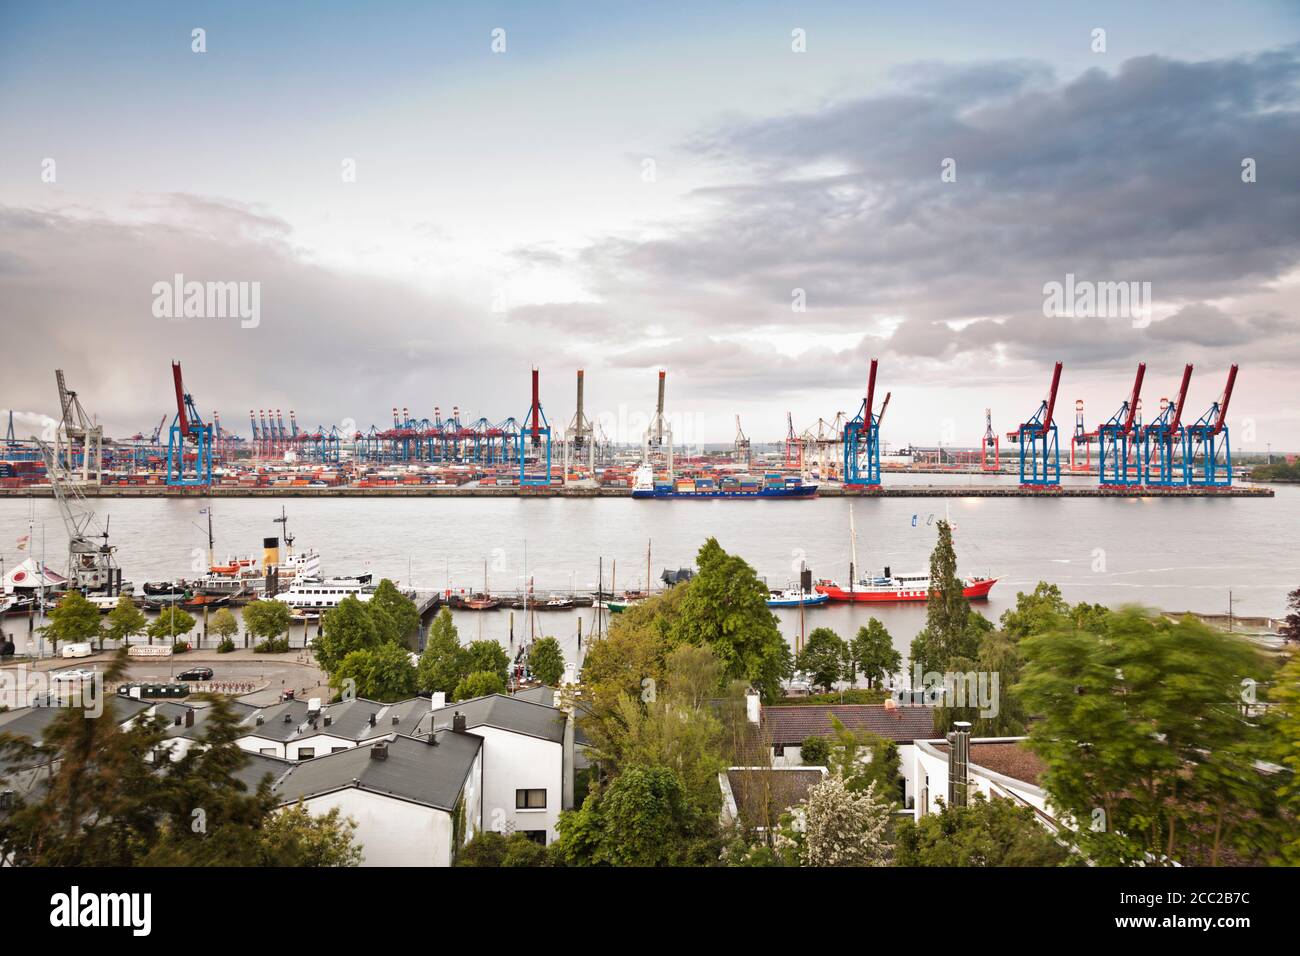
x,y
740,449
1119,448
580,437
1040,453
92,568
83,452
862,439
1163,463
990,457
1206,450
188,426
658,438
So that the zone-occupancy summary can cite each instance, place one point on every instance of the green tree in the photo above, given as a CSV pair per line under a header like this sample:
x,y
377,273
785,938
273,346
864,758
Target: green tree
x,y
293,837
839,827
384,673
439,667
268,619
73,619
479,684
1125,721
874,654
171,625
985,833
490,848
815,751
638,821
546,661
344,629
486,656
952,630
725,607
223,624
1286,752
824,658
396,618
1040,611
124,621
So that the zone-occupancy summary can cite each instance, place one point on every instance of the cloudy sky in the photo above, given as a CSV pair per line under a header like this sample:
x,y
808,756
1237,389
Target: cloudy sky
x,y
757,197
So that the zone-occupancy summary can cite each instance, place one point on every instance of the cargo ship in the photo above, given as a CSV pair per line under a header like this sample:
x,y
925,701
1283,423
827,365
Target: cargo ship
x,y
898,587
771,485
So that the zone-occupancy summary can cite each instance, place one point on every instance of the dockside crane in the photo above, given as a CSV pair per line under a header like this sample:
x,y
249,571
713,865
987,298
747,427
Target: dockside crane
x,y
92,568
1206,449
83,452
658,438
990,445
537,440
580,437
862,438
1119,448
188,426
1163,463
1040,452
740,448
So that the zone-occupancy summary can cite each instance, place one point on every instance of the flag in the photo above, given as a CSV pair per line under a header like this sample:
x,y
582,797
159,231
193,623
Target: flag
x,y
23,541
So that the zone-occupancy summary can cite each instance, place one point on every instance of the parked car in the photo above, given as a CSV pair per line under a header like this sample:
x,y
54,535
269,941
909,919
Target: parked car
x,y
76,673
196,673
77,649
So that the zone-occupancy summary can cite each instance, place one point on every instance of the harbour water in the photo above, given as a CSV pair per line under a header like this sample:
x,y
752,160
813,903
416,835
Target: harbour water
x,y
1175,554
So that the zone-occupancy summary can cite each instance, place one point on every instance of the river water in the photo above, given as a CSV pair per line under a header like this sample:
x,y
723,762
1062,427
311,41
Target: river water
x,y
1174,554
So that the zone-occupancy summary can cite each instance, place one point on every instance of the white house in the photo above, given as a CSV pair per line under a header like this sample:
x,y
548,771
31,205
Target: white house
x,y
998,767
298,730
415,801
528,761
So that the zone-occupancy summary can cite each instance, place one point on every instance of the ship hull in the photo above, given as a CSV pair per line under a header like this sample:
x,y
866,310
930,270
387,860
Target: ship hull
x,y
978,590
806,491
812,600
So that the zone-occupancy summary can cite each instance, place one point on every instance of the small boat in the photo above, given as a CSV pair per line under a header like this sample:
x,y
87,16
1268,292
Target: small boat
x,y
200,601
481,602
795,597
556,602
159,587
628,599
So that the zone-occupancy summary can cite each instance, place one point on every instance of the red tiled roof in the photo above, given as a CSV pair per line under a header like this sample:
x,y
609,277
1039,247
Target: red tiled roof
x,y
793,725
1013,760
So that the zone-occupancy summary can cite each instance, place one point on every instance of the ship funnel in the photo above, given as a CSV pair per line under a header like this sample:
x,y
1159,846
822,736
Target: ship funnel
x,y
270,552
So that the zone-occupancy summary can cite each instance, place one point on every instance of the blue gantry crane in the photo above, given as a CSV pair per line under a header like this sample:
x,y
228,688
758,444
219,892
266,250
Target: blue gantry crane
x,y
1040,452
1207,452
1163,464
862,439
1119,446
188,426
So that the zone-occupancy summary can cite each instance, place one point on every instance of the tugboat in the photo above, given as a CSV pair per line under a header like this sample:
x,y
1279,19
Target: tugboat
x,y
242,575
795,597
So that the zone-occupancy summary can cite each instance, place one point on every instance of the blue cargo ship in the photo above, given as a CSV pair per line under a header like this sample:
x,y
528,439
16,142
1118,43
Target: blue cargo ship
x,y
773,485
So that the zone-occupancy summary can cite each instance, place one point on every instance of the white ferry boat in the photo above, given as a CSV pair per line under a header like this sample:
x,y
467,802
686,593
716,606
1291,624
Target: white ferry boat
x,y
318,594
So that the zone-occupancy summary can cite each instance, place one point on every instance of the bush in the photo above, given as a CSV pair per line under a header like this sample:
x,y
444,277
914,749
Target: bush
x,y
226,646
815,751
275,645
180,647
479,684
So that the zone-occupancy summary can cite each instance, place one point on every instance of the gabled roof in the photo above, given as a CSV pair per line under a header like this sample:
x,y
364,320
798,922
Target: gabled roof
x,y
260,766
414,770
357,719
541,694
504,713
787,726
273,725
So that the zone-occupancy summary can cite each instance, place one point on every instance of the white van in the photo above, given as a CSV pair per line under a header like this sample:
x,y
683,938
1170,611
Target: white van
x,y
77,650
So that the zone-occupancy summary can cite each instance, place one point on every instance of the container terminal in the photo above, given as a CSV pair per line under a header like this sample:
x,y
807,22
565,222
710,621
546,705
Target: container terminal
x,y
1172,454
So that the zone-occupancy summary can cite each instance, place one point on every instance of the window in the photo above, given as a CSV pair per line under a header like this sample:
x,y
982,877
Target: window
x,y
530,799
778,750
267,751
306,753
335,750
537,836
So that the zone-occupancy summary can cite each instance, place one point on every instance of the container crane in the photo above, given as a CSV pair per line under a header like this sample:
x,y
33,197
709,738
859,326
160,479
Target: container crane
x,y
990,442
1040,453
188,426
84,448
92,568
1162,441
1206,449
1119,448
740,449
659,434
537,437
862,439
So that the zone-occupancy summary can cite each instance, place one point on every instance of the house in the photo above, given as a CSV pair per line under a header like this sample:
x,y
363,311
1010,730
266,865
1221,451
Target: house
x,y
529,761
754,798
997,767
784,729
301,730
415,801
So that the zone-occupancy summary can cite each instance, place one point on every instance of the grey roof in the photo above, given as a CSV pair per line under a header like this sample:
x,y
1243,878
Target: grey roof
x,y
347,719
29,723
541,694
415,770
260,766
793,724
273,726
504,713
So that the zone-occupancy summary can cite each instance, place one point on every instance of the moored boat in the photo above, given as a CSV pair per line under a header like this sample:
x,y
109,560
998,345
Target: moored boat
x,y
796,597
888,587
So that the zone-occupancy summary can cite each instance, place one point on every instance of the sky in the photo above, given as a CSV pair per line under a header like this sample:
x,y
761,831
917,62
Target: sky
x,y
432,198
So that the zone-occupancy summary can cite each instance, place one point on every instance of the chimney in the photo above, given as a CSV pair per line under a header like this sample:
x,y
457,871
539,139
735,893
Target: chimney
x,y
458,722
329,719
371,719
438,700
189,717
261,719
753,706
958,763
396,720
379,751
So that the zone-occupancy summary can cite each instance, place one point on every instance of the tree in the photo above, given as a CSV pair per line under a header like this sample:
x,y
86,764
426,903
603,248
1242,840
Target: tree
x,y
632,657
294,837
384,673
1286,751
874,654
479,684
485,656
1291,625
835,826
171,625
824,658
73,619
490,848
725,607
1040,611
815,751
396,617
1134,725
638,821
952,630
546,661
224,626
344,629
985,833
268,619
439,667
124,621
